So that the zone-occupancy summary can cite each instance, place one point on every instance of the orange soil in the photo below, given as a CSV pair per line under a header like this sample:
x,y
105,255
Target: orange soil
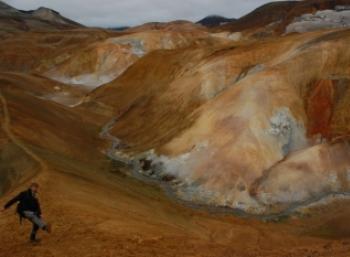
x,y
320,108
97,211
123,217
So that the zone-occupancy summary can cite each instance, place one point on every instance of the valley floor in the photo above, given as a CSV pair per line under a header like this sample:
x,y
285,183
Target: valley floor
x,y
114,215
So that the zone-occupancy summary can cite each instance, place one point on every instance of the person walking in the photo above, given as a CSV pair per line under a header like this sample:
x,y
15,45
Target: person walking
x,y
29,208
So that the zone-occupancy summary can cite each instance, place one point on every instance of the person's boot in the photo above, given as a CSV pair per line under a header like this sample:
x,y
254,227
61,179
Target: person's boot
x,y
33,238
48,228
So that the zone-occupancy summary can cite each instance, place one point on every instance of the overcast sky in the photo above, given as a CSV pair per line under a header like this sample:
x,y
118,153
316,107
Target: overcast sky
x,y
113,13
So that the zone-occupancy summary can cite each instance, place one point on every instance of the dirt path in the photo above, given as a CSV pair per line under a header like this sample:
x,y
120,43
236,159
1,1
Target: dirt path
x,y
6,126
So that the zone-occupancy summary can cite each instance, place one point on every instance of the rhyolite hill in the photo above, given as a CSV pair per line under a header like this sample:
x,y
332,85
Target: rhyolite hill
x,y
250,117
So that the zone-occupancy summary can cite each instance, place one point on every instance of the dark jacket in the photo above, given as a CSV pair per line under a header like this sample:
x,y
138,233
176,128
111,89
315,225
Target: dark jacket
x,y
26,202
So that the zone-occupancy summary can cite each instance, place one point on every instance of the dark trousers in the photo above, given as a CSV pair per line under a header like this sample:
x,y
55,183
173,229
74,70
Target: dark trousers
x,y
34,231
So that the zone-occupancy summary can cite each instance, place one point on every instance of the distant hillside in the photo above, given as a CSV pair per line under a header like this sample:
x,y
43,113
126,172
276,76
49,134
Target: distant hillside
x,y
12,20
214,20
276,16
264,15
122,28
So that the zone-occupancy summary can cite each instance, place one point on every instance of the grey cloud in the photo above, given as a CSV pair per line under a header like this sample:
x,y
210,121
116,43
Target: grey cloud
x,y
107,13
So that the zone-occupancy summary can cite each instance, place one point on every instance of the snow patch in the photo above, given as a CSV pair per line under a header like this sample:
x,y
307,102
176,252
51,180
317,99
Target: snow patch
x,y
327,19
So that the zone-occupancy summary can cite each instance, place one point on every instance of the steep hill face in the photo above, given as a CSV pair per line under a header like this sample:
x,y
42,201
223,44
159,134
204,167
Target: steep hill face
x,y
226,122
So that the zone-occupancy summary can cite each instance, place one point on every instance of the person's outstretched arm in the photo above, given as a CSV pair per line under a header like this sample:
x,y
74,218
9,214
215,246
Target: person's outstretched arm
x,y
12,201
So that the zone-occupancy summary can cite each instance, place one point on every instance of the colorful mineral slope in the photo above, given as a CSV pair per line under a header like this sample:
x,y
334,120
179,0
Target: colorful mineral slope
x,y
243,118
219,118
